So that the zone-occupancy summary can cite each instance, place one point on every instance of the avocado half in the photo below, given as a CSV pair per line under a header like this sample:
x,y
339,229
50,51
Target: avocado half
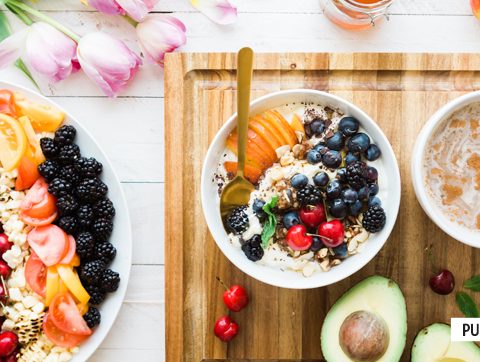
x,y
433,344
375,296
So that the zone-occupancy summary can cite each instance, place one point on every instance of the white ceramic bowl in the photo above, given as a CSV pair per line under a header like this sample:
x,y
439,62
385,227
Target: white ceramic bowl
x,y
121,236
456,231
389,177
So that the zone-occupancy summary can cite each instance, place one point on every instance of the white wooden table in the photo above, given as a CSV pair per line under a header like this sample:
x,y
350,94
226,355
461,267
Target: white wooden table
x,y
136,117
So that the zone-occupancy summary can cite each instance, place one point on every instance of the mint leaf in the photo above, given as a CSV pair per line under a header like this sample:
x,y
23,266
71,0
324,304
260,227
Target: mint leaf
x,y
270,223
466,305
473,283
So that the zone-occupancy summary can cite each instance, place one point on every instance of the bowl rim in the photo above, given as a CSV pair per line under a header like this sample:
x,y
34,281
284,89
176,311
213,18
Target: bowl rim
x,y
98,338
308,283
456,231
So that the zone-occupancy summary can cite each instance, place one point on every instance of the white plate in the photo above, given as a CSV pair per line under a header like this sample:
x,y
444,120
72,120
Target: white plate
x,y
121,237
389,183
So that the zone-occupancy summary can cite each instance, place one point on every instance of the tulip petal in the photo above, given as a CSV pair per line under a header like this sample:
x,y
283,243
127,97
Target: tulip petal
x,y
110,7
220,11
137,9
11,48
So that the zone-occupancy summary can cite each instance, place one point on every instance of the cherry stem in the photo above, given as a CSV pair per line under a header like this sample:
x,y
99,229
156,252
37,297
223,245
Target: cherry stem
x,y
320,236
222,283
431,259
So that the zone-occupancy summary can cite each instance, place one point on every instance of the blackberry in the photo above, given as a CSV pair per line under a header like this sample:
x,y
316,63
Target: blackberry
x,y
237,221
48,169
67,224
88,167
70,174
91,190
67,205
374,219
253,248
68,154
104,208
85,244
106,252
92,317
101,229
109,280
309,195
357,174
59,187
97,295
85,216
65,135
49,147
91,272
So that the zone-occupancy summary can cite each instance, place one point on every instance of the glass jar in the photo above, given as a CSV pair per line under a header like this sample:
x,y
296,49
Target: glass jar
x,y
357,14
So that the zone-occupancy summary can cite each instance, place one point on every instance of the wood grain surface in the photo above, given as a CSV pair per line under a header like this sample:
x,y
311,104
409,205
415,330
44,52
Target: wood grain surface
x,y
400,92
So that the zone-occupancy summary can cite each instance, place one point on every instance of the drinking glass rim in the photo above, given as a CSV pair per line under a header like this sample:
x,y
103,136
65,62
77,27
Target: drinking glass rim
x,y
355,5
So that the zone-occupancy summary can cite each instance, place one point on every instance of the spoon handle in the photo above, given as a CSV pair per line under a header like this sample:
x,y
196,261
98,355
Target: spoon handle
x,y
244,80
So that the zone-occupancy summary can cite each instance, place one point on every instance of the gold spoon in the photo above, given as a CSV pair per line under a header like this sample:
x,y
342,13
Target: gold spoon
x,y
238,191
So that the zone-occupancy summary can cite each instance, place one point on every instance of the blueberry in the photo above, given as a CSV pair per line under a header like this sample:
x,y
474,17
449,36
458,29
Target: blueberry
x,y
348,126
338,209
373,189
372,152
349,196
374,201
351,158
332,159
342,175
314,157
358,143
334,189
355,208
290,219
321,179
308,130
336,142
258,208
372,174
316,244
317,126
320,148
364,193
341,251
299,181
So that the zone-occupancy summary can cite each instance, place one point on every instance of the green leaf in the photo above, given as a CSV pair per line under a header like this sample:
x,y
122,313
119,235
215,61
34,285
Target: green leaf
x,y
270,223
466,305
473,283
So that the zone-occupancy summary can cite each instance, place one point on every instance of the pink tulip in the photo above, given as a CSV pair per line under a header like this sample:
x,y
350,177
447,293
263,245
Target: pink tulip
x,y
107,61
220,11
43,48
136,9
160,34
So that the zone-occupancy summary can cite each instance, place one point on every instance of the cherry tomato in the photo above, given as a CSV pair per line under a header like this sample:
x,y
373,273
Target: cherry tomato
x,y
7,103
49,242
27,174
65,315
59,337
38,202
36,274
72,247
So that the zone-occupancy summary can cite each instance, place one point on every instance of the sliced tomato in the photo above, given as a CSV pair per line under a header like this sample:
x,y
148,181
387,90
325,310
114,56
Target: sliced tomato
x,y
7,103
27,174
37,222
65,315
72,247
36,274
59,337
49,242
38,202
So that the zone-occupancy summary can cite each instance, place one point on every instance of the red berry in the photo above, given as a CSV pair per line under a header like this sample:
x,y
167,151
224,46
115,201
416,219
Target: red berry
x,y
12,357
298,239
225,328
332,233
4,244
3,294
8,343
312,216
4,269
235,298
442,283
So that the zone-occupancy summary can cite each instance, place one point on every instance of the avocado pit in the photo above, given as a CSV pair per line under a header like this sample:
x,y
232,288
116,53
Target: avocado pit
x,y
364,336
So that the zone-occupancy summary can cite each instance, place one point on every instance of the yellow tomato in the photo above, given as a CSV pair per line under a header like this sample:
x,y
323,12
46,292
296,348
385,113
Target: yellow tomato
x,y
53,284
73,283
13,142
44,118
34,150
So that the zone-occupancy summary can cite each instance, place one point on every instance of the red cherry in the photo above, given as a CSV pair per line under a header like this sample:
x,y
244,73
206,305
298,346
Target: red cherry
x,y
4,244
8,343
298,239
442,283
235,298
3,294
331,233
4,269
225,328
312,216
12,357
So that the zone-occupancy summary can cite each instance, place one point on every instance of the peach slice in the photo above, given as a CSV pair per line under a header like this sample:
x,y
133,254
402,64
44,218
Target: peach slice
x,y
263,145
273,131
251,172
255,156
281,125
265,133
297,124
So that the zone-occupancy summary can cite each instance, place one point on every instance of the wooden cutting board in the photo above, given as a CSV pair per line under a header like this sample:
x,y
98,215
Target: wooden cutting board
x,y
400,92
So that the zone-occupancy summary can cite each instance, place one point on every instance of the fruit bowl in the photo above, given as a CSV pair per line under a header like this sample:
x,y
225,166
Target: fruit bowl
x,y
121,235
389,193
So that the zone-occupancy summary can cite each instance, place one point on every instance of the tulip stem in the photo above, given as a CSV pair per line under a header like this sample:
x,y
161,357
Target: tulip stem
x,y
133,22
19,14
45,18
